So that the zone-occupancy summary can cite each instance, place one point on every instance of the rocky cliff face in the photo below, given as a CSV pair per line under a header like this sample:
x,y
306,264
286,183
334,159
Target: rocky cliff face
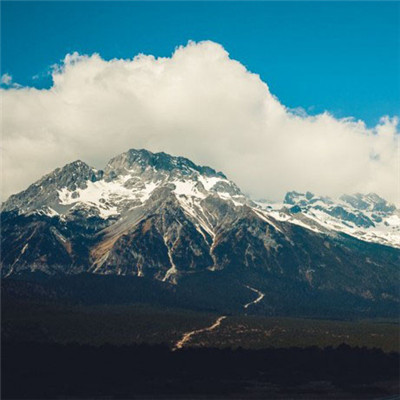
x,y
164,218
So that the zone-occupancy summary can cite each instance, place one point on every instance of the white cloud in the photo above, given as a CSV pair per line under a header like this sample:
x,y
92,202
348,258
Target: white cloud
x,y
6,79
198,103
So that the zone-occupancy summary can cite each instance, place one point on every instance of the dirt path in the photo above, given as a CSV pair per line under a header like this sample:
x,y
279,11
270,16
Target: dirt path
x,y
259,298
188,335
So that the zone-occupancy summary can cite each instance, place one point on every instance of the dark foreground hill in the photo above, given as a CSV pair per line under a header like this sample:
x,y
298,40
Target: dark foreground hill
x,y
49,371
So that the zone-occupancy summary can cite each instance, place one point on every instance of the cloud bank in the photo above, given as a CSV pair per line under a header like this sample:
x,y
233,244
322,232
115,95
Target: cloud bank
x,y
198,103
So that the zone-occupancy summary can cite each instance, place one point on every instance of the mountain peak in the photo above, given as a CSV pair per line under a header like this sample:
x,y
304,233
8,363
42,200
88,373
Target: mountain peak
x,y
72,176
139,160
368,202
302,199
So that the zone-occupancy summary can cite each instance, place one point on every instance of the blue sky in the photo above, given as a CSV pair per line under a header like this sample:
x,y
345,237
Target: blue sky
x,y
341,57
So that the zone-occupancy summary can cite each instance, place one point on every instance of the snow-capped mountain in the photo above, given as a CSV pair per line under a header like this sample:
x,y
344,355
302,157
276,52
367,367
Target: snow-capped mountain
x,y
155,216
132,186
366,217
127,182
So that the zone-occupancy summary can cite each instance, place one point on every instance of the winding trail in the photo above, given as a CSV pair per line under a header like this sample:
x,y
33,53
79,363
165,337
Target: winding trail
x,y
259,298
188,335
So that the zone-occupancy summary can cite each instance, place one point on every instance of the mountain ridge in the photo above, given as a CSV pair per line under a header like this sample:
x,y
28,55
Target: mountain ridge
x,y
368,217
